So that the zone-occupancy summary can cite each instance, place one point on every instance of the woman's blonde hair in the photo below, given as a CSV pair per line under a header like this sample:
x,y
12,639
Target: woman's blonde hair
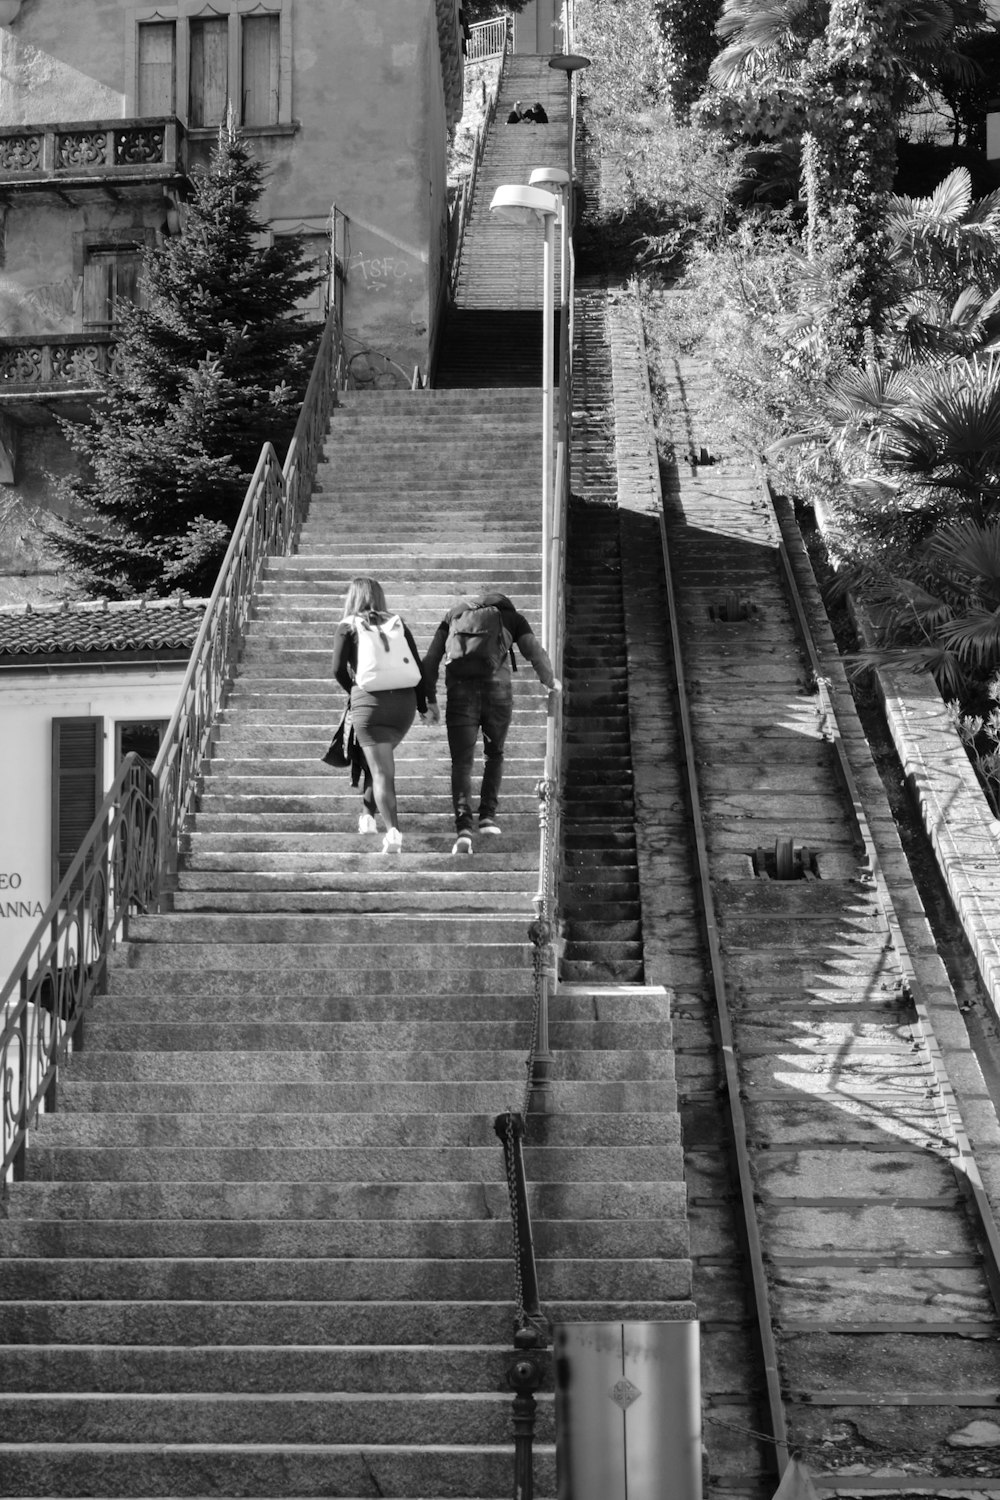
x,y
366,597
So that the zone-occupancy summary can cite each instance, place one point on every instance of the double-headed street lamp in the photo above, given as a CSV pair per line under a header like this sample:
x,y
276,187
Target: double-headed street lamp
x,y
528,206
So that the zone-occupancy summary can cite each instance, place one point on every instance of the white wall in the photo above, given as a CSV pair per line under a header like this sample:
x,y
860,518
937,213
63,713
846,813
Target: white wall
x,y
28,704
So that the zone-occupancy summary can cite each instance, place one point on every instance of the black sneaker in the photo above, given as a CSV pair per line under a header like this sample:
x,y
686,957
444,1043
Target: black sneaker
x,y
462,844
490,826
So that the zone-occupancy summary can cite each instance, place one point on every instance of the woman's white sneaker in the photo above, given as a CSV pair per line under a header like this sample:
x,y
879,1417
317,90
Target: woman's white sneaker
x,y
393,842
367,824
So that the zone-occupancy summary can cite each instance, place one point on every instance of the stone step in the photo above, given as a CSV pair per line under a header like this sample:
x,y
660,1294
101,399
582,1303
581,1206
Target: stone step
x,y
359,1414
255,1202
248,1131
166,1034
464,979
308,942
434,399
516,825
325,1259
233,1324
352,855
128,1471
207,1165
325,1067
267,793
448,1010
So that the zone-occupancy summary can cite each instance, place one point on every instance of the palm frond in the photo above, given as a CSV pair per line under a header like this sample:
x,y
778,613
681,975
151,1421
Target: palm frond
x,y
974,638
971,547
941,663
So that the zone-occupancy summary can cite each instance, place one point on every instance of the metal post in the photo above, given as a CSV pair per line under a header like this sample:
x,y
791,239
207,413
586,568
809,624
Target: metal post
x,y
547,404
525,1377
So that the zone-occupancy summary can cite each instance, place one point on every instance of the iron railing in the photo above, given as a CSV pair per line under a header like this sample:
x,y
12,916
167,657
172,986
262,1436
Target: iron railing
x,y
127,858
488,38
43,1003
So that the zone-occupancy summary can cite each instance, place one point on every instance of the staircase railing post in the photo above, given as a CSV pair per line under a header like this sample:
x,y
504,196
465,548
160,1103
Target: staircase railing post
x,y
524,1376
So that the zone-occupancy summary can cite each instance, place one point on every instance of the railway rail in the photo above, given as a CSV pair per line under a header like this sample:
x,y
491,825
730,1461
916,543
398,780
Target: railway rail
x,y
847,1258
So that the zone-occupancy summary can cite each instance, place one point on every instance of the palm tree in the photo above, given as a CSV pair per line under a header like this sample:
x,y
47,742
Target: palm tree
x,y
945,617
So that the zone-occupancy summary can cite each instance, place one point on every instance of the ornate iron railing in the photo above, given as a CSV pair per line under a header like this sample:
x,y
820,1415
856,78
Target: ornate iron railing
x,y
56,362
268,525
127,857
42,1005
39,154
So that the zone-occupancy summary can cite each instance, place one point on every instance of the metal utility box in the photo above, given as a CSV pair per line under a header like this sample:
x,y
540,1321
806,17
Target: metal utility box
x,y
628,1411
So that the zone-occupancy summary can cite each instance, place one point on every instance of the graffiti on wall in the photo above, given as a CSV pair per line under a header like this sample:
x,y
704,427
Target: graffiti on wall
x,y
47,307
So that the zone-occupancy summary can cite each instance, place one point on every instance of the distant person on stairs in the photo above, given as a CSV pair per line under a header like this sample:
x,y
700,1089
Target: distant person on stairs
x,y
476,640
376,662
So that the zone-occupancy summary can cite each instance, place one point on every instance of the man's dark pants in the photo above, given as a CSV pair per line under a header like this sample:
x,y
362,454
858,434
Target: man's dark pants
x,y
474,704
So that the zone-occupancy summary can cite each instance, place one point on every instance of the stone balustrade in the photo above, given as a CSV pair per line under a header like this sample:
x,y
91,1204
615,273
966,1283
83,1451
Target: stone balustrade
x,y
35,155
54,362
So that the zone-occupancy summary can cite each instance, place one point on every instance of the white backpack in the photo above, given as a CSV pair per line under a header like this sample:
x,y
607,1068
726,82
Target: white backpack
x,y
385,661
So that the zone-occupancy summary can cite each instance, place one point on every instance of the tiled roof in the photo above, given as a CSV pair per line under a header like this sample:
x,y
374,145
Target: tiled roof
x,y
100,629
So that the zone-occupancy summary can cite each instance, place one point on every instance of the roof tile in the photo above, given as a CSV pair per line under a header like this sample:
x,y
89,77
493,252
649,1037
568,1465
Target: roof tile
x,y
100,628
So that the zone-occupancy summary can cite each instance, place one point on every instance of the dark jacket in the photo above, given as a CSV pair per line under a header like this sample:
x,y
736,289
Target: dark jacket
x,y
514,622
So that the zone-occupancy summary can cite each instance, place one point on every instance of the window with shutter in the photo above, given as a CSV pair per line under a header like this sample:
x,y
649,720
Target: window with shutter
x,y
110,281
77,787
208,72
157,68
260,70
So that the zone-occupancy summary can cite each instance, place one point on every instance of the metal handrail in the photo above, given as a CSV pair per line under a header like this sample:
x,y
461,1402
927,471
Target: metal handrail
x,y
43,1002
488,38
268,525
125,861
553,635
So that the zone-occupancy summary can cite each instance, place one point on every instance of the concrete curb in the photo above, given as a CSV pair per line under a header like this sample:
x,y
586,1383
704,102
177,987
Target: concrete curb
x,y
958,819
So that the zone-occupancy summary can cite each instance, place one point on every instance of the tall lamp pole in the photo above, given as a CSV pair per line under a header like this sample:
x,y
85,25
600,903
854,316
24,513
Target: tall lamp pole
x,y
523,205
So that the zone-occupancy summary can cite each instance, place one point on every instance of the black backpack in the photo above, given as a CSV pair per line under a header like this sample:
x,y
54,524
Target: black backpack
x,y
478,640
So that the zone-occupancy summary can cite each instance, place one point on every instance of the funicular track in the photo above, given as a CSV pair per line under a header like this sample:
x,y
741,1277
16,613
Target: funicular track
x,y
868,1337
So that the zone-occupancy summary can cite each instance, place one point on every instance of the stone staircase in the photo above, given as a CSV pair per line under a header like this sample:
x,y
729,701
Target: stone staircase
x,y
498,296
264,1247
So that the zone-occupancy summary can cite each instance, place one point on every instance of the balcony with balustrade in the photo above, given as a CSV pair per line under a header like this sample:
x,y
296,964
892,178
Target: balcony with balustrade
x,y
68,161
53,365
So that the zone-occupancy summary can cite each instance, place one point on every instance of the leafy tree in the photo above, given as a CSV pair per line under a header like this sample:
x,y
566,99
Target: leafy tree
x,y
690,44
837,78
488,10
213,364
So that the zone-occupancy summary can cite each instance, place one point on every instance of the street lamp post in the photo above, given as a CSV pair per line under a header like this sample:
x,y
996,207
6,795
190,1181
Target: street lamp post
x,y
524,205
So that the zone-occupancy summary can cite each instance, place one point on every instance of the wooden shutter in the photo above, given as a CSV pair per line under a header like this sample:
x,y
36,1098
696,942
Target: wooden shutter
x,y
128,264
110,280
77,786
157,68
260,70
98,289
209,72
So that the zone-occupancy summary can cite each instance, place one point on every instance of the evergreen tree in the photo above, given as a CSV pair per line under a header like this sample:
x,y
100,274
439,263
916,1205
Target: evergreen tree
x,y
212,365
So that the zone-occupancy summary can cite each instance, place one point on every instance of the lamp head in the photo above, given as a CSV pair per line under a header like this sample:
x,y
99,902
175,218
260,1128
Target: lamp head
x,y
552,179
519,204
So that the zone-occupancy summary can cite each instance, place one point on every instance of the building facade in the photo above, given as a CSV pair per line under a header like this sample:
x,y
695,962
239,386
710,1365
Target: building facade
x,y
106,106
81,685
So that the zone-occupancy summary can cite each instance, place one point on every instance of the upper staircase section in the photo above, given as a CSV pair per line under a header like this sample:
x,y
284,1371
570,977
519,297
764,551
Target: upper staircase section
x,y
492,334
